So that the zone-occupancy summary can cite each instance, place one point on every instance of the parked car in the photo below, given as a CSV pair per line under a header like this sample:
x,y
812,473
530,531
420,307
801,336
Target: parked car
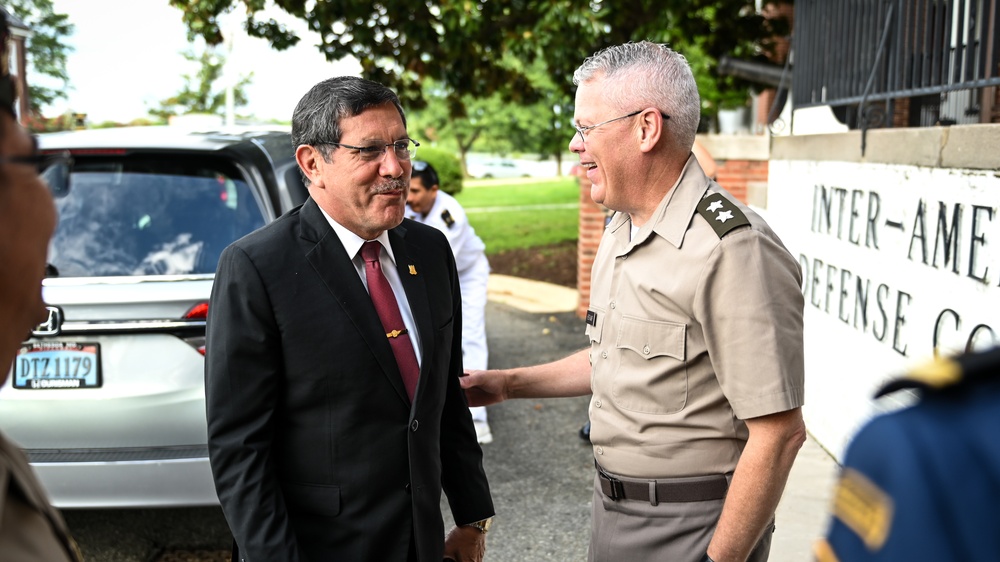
x,y
502,168
107,397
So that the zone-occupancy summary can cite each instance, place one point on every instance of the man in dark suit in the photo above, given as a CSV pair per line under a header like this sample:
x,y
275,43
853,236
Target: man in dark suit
x,y
325,442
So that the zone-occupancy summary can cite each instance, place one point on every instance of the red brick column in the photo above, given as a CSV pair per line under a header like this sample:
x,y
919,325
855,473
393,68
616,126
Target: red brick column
x,y
591,228
734,175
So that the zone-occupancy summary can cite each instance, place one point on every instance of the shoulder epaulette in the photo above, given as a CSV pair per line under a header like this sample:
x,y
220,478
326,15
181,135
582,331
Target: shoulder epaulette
x,y
447,218
944,373
721,214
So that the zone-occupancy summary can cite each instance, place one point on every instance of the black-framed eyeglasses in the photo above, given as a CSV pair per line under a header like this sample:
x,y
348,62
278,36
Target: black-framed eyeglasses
x,y
373,152
584,130
53,167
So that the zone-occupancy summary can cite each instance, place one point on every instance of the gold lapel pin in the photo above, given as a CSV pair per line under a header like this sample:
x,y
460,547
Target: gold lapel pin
x,y
413,270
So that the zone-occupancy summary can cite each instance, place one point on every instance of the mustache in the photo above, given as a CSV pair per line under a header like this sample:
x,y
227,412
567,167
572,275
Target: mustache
x,y
389,185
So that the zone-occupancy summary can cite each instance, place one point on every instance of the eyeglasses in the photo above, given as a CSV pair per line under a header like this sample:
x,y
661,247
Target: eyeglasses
x,y
53,167
584,130
374,152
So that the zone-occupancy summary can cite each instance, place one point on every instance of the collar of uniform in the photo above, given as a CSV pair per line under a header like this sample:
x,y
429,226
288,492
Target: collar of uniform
x,y
673,215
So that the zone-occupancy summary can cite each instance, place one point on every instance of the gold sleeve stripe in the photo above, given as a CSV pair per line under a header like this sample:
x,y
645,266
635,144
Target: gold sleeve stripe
x,y
824,552
863,507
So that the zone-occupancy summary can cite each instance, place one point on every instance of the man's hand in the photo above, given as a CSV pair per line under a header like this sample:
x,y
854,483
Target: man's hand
x,y
465,544
483,388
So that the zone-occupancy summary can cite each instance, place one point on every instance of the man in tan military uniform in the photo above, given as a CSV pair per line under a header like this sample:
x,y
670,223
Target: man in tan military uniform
x,y
30,528
695,326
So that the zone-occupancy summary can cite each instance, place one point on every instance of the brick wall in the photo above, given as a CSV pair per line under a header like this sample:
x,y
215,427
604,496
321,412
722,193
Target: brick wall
x,y
742,162
592,218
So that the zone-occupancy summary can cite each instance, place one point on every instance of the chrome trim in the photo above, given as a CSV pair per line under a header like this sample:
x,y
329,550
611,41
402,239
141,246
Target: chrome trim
x,y
126,326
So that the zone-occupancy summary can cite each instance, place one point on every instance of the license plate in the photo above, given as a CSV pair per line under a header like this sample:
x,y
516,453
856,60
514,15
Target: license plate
x,y
43,365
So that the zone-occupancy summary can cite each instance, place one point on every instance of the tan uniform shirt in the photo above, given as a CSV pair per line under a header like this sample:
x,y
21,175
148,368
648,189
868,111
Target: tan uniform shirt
x,y
690,334
31,530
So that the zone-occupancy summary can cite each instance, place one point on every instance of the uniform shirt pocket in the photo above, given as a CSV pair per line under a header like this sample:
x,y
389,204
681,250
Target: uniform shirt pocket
x,y
652,376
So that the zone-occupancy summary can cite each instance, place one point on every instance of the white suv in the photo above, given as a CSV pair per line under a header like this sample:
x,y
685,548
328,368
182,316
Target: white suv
x,y
107,397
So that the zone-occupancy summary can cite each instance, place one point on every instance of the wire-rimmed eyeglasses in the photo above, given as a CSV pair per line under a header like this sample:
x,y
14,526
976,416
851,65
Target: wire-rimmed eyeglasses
x,y
584,130
53,167
373,152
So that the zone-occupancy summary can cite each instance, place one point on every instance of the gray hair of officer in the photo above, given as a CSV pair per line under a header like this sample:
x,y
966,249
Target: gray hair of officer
x,y
645,74
316,119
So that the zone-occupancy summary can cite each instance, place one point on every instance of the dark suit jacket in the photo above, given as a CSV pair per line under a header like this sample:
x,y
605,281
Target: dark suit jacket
x,y
316,451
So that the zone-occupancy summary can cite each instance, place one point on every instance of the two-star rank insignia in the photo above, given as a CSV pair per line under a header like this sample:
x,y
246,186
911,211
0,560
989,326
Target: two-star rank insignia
x,y
721,214
447,218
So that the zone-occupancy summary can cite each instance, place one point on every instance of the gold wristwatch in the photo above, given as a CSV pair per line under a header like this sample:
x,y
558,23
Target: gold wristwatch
x,y
483,526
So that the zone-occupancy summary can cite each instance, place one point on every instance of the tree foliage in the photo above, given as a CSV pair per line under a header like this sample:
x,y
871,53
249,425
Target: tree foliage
x,y
466,45
201,93
46,51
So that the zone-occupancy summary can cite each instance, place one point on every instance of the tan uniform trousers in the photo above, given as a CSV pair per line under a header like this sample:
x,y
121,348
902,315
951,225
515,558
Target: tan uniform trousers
x,y
638,531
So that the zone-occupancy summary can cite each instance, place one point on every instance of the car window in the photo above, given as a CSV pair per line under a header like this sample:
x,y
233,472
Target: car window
x,y
164,215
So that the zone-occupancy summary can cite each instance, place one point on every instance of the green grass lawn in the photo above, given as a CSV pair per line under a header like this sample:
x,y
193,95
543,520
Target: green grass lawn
x,y
522,213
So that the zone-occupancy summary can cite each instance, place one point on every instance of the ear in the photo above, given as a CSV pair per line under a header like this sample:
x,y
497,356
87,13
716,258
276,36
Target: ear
x,y
650,129
310,162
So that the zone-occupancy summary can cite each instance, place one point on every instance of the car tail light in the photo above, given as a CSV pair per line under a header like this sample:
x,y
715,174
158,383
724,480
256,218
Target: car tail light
x,y
197,312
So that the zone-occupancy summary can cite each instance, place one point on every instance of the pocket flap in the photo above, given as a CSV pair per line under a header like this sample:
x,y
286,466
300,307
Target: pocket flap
x,y
651,338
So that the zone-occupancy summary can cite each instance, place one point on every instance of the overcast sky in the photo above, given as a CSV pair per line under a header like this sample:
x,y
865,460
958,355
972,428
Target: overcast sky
x,y
127,58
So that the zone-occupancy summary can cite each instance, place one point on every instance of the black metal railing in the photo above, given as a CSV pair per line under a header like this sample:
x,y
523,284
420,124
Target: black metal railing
x,y
862,56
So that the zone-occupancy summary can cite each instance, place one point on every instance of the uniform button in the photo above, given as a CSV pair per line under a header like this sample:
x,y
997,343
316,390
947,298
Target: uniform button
x,y
604,354
600,450
597,403
414,425
645,349
612,304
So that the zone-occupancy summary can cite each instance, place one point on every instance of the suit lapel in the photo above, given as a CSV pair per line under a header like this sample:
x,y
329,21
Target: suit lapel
x,y
327,256
409,265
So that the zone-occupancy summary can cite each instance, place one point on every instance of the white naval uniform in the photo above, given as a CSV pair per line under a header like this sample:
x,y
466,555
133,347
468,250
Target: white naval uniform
x,y
473,273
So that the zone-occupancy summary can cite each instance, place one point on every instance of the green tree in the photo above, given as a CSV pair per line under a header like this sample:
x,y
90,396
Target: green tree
x,y
465,44
199,94
476,122
46,51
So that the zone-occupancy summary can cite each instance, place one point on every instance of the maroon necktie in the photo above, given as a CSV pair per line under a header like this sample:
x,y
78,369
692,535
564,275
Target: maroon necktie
x,y
392,321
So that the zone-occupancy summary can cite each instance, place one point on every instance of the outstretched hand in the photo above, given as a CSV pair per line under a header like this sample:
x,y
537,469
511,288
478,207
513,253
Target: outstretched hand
x,y
483,388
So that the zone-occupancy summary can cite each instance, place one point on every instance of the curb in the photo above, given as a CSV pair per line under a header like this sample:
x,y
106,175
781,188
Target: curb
x,y
529,295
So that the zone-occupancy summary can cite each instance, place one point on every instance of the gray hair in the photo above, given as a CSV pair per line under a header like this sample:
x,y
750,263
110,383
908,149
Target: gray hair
x,y
316,120
648,75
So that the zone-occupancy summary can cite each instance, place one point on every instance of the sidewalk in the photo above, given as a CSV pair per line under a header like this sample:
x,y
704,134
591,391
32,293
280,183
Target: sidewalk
x,y
803,512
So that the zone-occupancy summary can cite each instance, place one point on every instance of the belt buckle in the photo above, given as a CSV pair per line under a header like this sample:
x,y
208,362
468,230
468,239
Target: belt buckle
x,y
617,490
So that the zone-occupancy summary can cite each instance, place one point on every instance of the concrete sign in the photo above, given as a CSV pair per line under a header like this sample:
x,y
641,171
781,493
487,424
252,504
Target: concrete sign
x,y
898,262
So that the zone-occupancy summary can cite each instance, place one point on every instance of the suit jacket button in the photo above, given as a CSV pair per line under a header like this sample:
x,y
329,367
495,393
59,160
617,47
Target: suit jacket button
x,y
414,425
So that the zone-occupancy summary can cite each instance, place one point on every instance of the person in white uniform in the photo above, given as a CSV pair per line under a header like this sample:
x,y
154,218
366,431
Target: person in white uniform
x,y
427,204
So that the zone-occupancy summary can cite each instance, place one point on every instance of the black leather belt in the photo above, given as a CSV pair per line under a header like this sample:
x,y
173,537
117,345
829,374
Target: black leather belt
x,y
694,489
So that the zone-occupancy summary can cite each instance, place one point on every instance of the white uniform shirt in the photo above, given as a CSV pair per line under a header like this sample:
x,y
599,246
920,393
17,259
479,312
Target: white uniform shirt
x,y
449,217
